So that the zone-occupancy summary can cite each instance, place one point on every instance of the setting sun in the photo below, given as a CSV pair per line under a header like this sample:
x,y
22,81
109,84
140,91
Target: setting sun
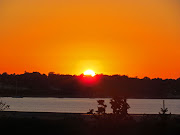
x,y
89,72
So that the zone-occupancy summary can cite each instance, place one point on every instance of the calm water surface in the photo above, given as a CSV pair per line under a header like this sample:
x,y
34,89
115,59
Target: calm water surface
x,y
82,105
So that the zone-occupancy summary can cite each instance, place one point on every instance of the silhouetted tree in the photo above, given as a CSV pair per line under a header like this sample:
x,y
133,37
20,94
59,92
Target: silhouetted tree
x,y
101,107
3,106
163,110
163,114
119,106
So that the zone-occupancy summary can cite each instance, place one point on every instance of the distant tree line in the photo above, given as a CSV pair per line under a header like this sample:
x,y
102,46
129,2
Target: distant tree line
x,y
57,85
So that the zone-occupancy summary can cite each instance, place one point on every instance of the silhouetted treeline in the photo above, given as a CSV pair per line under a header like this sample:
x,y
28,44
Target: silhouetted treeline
x,y
56,85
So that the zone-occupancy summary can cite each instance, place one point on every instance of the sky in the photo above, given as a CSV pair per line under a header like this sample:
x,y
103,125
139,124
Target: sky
x,y
135,38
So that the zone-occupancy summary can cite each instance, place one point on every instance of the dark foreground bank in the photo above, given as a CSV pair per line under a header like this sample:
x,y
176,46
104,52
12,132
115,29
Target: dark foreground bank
x,y
82,124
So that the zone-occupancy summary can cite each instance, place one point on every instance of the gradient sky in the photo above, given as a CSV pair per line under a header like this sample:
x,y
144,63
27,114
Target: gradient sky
x,y
131,37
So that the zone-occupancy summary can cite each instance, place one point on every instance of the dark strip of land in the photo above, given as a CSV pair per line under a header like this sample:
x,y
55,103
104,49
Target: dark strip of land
x,y
60,116
47,123
55,85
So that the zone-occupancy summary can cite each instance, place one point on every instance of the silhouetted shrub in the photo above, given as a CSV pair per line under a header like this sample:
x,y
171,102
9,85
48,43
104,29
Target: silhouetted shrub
x,y
101,107
90,111
119,106
163,114
3,106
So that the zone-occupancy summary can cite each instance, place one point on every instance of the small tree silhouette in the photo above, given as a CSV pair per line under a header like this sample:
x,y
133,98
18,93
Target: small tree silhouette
x,y
163,114
119,106
3,106
163,110
101,107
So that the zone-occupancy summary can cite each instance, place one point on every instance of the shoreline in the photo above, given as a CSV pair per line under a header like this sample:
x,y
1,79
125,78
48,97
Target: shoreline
x,y
62,115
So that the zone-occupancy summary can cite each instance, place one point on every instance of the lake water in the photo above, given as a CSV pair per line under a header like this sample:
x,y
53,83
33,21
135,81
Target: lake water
x,y
82,105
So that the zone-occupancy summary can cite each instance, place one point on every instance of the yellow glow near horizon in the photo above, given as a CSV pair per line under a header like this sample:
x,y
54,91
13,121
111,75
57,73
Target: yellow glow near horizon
x,y
135,38
89,72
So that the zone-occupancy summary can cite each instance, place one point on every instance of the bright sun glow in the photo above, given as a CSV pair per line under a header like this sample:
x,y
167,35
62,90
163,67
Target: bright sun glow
x,y
89,72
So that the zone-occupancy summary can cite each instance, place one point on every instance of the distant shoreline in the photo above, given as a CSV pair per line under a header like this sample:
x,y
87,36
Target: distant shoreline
x,y
101,86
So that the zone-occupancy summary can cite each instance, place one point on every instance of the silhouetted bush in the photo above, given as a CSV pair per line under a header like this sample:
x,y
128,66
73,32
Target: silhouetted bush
x,y
163,114
3,106
101,107
119,106
91,111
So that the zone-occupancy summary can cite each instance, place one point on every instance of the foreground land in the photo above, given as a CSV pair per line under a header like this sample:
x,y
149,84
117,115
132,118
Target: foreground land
x,y
83,124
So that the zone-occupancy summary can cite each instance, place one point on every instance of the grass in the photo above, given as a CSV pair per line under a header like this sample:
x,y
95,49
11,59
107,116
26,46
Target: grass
x,y
80,126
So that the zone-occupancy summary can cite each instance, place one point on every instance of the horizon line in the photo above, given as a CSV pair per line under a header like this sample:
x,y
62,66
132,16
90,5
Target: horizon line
x,y
95,75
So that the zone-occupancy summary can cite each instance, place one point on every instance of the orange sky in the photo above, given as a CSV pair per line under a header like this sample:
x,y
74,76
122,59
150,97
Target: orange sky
x,y
135,38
